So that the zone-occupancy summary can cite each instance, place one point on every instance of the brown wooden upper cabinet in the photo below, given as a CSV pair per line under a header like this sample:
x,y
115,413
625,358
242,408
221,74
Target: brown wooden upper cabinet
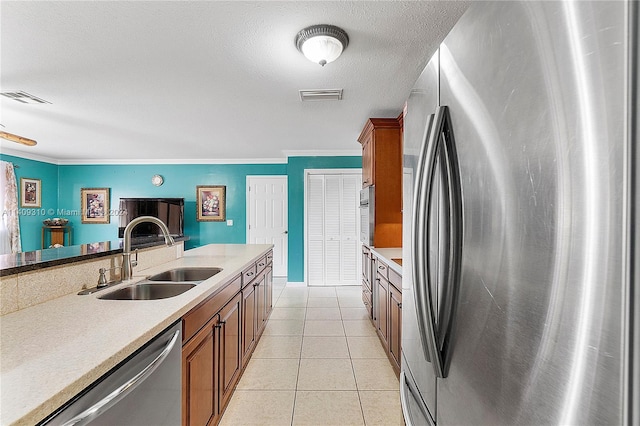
x,y
381,141
381,151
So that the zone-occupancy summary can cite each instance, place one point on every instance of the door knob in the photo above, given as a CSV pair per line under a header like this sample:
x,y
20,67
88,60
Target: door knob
x,y
285,232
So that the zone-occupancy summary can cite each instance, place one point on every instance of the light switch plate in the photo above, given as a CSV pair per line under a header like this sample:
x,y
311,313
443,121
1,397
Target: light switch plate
x,y
230,222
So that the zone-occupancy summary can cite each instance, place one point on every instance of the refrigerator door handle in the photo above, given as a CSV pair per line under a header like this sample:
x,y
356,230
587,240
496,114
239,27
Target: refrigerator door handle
x,y
454,238
438,341
419,241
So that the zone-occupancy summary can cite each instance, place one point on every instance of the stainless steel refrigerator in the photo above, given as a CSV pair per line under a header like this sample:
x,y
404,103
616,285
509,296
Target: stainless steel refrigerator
x,y
520,245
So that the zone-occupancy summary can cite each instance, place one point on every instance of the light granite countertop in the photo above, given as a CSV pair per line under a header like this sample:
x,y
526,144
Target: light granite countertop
x,y
387,254
52,351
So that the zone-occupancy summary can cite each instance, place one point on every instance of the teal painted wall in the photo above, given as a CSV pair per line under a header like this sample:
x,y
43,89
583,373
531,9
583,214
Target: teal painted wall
x,y
179,181
62,185
295,172
31,218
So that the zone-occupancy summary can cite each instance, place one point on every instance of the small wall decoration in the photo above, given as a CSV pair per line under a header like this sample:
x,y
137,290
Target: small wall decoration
x,y
30,192
211,204
95,205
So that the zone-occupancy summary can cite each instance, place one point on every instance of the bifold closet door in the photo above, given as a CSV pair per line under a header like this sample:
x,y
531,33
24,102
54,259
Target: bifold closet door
x,y
333,256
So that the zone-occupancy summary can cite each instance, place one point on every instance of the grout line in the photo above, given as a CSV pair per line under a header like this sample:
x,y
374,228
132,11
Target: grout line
x,y
295,395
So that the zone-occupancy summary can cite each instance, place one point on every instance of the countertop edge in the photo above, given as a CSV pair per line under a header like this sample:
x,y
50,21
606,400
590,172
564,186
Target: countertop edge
x,y
387,254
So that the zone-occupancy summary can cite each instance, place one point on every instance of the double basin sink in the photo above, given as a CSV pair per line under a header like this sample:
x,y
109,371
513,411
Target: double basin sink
x,y
163,285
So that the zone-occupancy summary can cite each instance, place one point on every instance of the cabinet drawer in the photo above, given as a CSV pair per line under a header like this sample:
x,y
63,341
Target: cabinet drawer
x,y
270,258
196,318
395,279
382,269
261,264
249,275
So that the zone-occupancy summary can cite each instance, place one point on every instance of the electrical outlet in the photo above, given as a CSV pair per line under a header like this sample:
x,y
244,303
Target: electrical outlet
x,y
230,222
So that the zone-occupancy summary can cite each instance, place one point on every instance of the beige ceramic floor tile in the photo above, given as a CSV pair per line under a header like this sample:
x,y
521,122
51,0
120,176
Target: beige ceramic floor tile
x,y
284,328
268,408
349,290
375,374
326,374
350,301
381,408
359,328
365,347
354,314
322,302
288,313
324,347
323,314
295,292
322,292
291,302
327,408
278,347
270,374
323,328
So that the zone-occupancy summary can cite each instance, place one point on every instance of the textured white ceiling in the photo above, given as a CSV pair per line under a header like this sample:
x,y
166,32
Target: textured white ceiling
x,y
205,81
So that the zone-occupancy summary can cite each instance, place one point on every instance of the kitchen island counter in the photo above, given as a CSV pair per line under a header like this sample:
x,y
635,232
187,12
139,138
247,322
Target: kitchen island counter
x,y
54,350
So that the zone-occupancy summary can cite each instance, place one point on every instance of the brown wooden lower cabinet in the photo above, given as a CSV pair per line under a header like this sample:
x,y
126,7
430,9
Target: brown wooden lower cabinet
x,y
395,324
383,307
200,377
230,347
249,316
219,336
388,321
261,300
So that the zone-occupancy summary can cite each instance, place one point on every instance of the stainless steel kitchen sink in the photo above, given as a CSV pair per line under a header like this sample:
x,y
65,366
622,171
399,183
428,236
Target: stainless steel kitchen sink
x,y
148,291
185,274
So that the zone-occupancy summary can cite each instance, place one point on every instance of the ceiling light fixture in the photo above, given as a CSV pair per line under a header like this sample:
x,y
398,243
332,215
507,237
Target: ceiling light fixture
x,y
322,43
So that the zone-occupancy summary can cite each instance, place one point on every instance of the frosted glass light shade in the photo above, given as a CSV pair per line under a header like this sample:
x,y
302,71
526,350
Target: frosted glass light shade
x,y
322,49
322,43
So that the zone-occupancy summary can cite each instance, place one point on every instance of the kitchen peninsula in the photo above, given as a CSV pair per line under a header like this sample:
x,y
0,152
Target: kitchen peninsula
x,y
53,350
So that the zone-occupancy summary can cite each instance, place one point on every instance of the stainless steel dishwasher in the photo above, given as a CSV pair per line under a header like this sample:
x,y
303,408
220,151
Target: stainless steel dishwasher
x,y
144,389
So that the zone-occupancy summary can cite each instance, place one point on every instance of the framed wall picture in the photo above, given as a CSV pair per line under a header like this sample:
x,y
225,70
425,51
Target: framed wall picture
x,y
95,205
211,203
30,192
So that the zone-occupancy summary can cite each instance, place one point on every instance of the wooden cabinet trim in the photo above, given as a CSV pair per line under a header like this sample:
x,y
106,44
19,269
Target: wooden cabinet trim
x,y
378,123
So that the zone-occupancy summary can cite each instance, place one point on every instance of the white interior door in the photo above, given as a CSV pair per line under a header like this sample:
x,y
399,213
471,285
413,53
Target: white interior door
x,y
332,227
267,217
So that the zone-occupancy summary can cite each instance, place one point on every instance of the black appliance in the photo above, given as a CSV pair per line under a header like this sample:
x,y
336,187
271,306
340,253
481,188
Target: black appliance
x,y
168,210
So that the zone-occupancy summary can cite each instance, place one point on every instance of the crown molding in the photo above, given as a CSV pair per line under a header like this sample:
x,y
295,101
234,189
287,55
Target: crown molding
x,y
29,156
160,161
323,153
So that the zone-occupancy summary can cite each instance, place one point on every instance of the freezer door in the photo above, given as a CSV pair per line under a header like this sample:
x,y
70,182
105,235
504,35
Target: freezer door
x,y
536,93
421,104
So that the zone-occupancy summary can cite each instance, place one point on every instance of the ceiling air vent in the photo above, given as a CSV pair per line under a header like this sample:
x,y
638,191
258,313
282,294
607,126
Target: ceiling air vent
x,y
24,97
321,95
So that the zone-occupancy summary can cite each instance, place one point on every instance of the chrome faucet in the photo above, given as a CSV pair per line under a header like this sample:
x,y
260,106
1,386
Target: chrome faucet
x,y
127,264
